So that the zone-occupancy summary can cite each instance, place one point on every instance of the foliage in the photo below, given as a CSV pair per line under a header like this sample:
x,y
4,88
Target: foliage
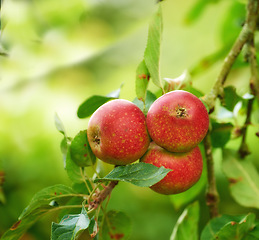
x,y
187,224
70,226
140,174
231,115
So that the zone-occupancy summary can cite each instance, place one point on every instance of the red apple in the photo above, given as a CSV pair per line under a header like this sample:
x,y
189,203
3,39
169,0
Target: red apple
x,y
186,168
117,132
178,121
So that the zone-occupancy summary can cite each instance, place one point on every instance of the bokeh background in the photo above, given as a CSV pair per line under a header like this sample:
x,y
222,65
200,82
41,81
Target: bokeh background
x,y
57,53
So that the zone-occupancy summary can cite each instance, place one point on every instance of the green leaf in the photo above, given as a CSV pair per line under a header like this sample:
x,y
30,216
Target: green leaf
x,y
58,193
82,188
74,172
213,227
21,226
243,178
142,80
64,148
93,227
152,51
116,225
140,174
90,105
220,134
150,98
80,150
149,101
230,98
65,141
59,125
229,227
139,104
70,207
237,230
46,200
194,91
254,233
70,226
186,227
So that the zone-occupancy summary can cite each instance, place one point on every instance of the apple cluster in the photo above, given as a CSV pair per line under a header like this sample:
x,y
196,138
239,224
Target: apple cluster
x,y
120,134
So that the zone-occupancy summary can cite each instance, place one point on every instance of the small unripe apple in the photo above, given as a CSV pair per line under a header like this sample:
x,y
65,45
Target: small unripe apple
x,y
177,121
186,168
117,132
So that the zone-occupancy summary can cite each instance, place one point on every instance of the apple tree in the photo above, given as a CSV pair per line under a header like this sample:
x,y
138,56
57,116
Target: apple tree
x,y
165,145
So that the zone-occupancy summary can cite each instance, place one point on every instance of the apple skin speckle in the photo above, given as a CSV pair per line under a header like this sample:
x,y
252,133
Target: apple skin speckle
x,y
186,168
178,121
117,132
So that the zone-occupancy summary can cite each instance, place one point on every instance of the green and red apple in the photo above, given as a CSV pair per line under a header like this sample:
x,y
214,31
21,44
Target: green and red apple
x,y
186,168
117,132
177,121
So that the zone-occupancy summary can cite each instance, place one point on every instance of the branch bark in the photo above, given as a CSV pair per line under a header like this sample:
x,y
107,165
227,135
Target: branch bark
x,y
254,89
212,196
244,149
101,196
254,81
244,36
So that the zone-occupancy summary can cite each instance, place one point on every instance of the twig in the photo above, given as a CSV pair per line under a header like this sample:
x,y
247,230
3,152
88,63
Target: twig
x,y
212,196
102,195
254,85
245,35
254,81
243,149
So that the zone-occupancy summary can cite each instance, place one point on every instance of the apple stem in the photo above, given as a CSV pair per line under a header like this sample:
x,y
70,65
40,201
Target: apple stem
x,y
181,112
245,35
212,196
102,195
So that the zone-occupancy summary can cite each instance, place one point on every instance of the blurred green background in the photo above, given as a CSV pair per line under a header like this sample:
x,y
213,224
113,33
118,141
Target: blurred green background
x,y
61,52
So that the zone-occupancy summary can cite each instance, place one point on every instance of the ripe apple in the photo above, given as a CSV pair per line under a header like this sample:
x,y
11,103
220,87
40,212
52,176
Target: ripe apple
x,y
117,132
186,168
177,121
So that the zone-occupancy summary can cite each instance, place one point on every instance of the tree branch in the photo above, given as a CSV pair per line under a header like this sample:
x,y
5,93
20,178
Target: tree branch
x,y
243,149
254,80
244,36
254,89
212,196
101,196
